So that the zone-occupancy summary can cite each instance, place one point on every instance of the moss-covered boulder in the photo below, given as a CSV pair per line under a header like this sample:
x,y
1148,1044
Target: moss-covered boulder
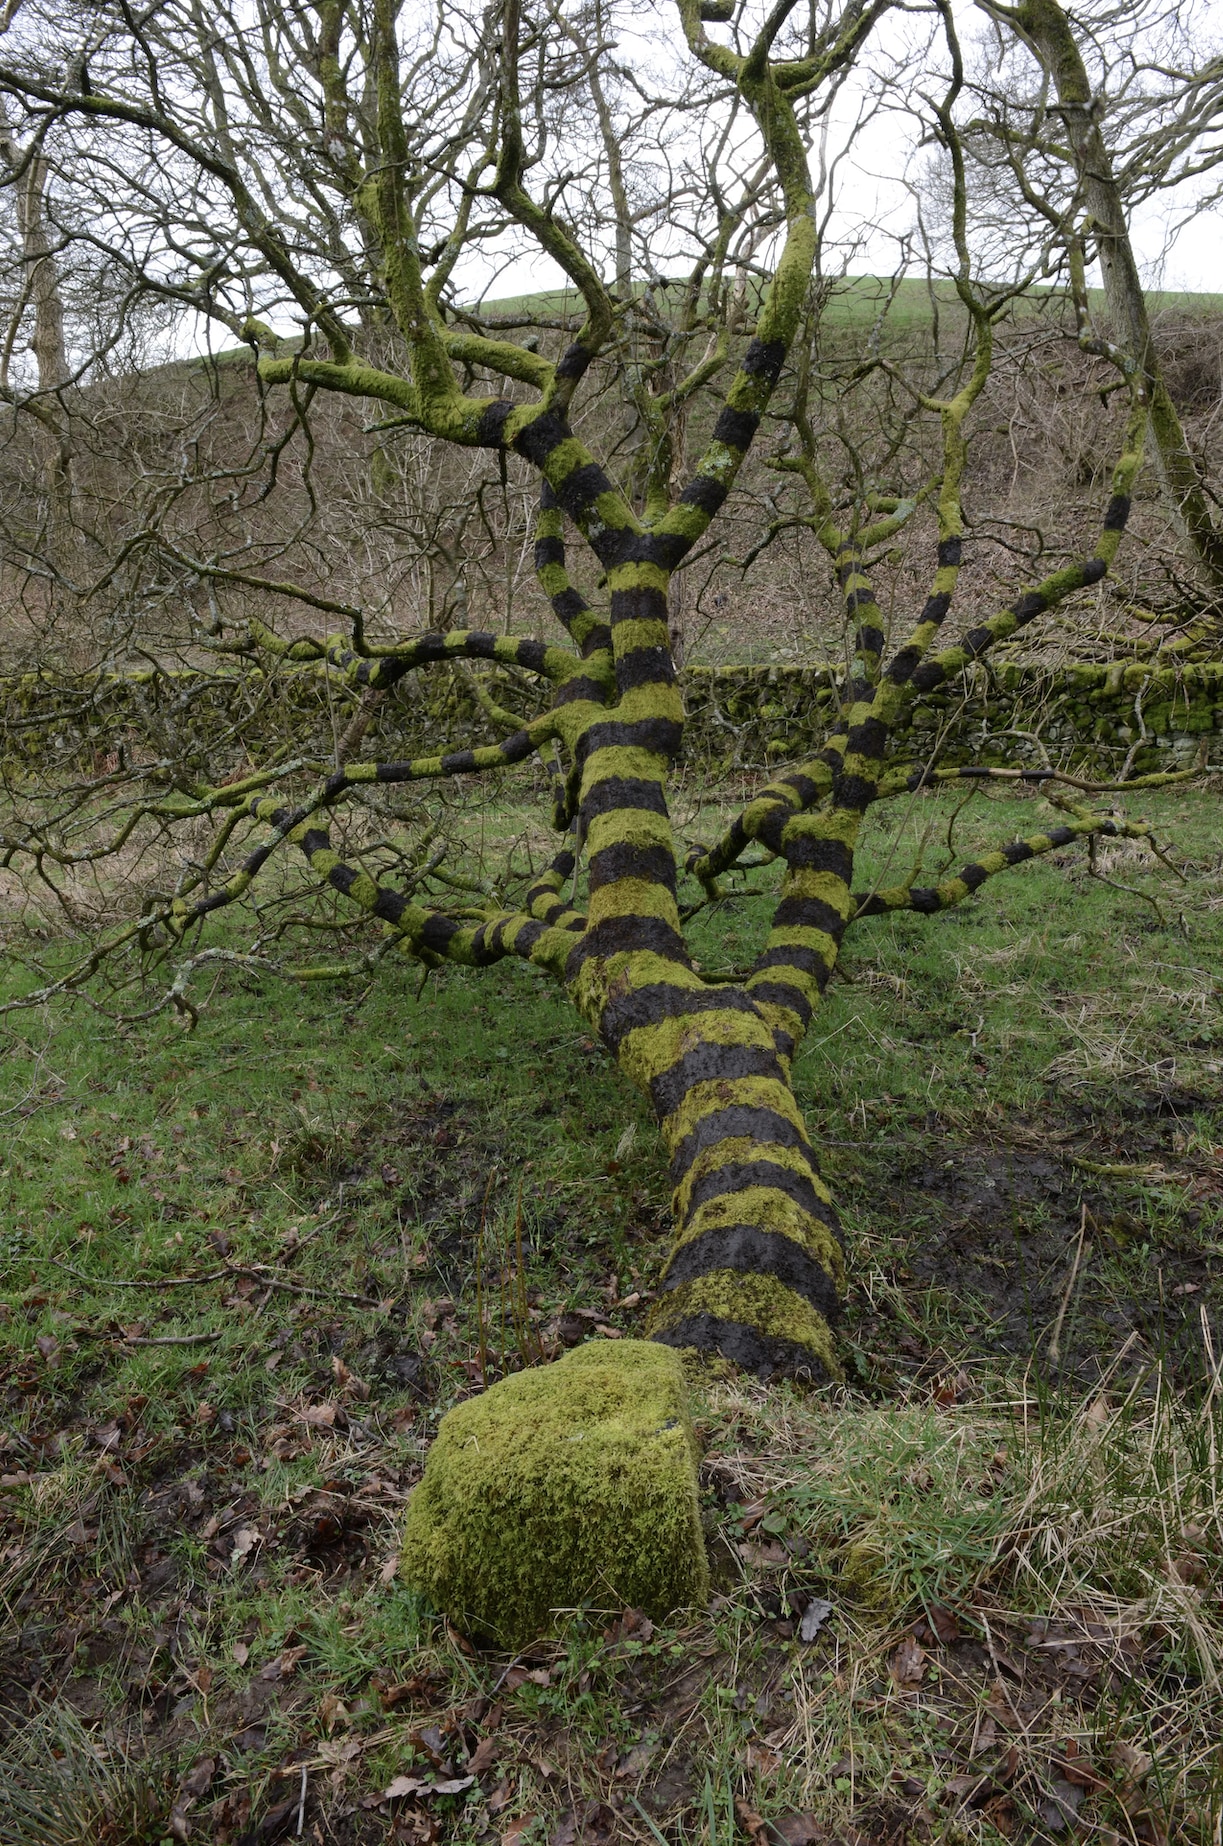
x,y
570,1485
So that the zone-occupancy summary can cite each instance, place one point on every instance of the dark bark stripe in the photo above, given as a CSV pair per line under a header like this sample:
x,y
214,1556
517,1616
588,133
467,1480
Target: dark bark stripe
x,y
776,993
868,739
623,792
438,931
706,494
755,1252
490,431
641,603
660,1001
736,428
764,359
623,859
626,936
574,361
1117,514
808,852
738,1175
854,792
744,1347
810,962
706,1063
807,790
580,688
950,552
746,1120
660,736
644,666
808,913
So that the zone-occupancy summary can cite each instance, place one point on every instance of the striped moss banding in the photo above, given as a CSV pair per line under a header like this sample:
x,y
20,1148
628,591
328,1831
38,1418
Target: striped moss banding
x,y
711,1061
628,935
737,1176
745,1120
633,1009
754,1320
929,899
750,1350
753,1251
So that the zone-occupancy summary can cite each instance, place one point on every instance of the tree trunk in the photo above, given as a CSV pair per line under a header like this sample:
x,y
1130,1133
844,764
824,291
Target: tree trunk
x,y
756,1266
1049,32
49,344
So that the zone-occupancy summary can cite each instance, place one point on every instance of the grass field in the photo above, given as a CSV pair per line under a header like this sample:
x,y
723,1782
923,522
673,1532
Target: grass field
x,y
857,301
239,1291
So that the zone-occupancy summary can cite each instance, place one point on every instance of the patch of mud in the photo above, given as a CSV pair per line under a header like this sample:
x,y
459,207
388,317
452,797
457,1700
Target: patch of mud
x,y
1066,1242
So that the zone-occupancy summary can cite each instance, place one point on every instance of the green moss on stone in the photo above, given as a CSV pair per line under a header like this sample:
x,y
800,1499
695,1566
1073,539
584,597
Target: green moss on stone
x,y
571,1484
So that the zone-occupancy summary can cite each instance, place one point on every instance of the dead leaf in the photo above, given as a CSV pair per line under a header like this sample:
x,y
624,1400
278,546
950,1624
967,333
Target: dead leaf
x,y
751,1823
483,1756
240,1653
413,1785
751,1514
521,1676
798,1830
199,1778
388,1572
517,1828
405,1785
108,1436
764,1557
943,1622
284,1664
320,1416
759,1757
636,1624
332,1711
635,1762
1133,1763
908,1663
814,1616
245,1540
47,1345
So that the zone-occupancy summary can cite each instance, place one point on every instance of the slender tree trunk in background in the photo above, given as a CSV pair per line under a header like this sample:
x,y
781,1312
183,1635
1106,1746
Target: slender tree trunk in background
x,y
41,279
1050,34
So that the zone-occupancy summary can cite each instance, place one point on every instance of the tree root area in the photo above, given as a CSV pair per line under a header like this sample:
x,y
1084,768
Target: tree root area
x,y
198,1562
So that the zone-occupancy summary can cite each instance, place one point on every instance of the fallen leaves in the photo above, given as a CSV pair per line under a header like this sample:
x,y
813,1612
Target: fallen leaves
x,y
908,1663
417,1785
245,1540
814,1616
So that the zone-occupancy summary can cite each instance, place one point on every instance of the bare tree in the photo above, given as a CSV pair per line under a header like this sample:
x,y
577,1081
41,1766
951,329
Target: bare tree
x,y
341,169
1114,106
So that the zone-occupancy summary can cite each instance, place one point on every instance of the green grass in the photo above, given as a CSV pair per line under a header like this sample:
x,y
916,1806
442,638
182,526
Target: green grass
x,y
1013,1506
856,301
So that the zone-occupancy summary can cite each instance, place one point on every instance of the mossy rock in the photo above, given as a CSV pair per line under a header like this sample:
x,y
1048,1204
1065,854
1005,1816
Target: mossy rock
x,y
566,1486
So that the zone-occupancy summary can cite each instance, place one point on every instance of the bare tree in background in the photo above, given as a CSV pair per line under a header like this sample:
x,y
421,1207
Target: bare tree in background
x,y
1099,113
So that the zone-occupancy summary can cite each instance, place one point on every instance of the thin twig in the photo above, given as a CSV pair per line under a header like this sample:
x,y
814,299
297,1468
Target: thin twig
x,y
1055,1344
262,1272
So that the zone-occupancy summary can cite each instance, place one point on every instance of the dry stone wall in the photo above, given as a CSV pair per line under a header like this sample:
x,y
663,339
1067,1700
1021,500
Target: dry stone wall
x,y
1093,717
